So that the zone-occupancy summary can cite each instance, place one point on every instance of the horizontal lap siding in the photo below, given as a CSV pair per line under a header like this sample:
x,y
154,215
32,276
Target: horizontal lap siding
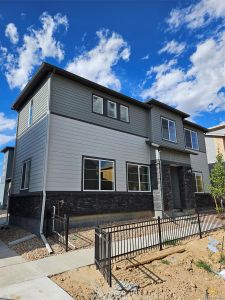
x,y
31,145
70,139
74,100
40,107
173,156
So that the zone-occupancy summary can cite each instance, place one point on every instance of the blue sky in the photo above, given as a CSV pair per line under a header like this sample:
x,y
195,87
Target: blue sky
x,y
173,51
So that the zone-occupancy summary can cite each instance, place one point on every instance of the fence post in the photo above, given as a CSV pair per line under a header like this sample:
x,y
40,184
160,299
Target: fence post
x,y
97,247
67,232
160,234
199,227
109,259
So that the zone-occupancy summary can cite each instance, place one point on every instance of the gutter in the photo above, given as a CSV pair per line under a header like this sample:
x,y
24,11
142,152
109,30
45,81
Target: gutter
x,y
45,179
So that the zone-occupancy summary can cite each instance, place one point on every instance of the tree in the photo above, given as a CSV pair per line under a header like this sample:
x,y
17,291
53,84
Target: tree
x,y
217,178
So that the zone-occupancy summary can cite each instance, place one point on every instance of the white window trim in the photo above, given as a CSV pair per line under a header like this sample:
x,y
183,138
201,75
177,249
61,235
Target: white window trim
x,y
24,189
93,104
30,123
139,181
127,108
109,101
168,120
199,173
191,139
99,175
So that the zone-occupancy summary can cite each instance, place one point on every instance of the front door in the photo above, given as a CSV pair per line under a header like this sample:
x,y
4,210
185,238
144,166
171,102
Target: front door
x,y
175,187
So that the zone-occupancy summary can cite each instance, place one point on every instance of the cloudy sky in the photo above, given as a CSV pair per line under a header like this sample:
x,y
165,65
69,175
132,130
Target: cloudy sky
x,y
173,51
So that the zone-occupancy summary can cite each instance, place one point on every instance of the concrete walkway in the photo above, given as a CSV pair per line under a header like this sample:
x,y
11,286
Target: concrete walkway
x,y
28,280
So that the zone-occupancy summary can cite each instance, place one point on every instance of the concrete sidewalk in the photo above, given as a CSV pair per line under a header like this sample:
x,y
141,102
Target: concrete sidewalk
x,y
9,257
36,289
21,272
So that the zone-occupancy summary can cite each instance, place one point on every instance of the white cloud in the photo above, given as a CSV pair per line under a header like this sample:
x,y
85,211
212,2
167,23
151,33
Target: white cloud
x,y
197,15
146,57
198,88
5,125
173,47
38,44
97,63
12,33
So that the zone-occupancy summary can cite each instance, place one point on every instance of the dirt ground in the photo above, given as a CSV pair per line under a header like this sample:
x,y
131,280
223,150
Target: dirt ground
x,y
188,275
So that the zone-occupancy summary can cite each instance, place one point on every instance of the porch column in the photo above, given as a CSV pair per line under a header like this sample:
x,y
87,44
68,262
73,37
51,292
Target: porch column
x,y
187,189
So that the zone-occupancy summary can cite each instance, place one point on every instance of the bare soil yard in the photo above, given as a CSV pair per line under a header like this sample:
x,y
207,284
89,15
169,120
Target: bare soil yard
x,y
188,275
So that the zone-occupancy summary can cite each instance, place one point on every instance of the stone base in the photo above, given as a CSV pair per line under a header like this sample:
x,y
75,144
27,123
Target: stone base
x,y
204,202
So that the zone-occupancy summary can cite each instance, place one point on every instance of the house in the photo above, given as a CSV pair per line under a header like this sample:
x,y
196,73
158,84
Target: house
x,y
6,175
215,143
99,155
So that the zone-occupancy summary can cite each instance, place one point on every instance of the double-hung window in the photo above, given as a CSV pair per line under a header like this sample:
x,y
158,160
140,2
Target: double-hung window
x,y
25,179
191,139
97,103
169,130
98,174
138,177
30,117
124,113
111,109
199,182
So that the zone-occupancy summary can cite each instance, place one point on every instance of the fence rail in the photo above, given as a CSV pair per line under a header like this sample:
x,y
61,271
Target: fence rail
x,y
117,242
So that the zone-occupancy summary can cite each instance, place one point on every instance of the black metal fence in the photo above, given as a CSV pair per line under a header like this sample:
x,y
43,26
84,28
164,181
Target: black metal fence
x,y
117,242
58,229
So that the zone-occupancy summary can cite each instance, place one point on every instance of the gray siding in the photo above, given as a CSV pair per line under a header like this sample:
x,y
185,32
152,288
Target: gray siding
x,y
75,100
70,139
201,137
173,156
199,164
31,145
40,107
211,149
156,129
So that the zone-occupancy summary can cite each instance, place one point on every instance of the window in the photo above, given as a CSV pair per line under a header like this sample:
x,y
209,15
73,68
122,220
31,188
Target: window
x,y
25,180
98,104
138,177
191,139
30,119
169,130
124,113
199,182
111,109
98,175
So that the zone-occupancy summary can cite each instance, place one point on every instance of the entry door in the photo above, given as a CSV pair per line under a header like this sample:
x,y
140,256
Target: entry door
x,y
175,187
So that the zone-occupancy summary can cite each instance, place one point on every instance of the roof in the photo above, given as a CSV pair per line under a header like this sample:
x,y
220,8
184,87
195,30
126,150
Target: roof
x,y
152,102
7,148
186,151
195,125
46,69
214,128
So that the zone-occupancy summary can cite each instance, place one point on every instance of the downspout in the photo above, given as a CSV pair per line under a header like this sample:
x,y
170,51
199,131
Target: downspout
x,y
161,182
45,178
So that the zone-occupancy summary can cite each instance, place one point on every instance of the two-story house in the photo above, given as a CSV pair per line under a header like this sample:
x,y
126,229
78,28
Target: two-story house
x,y
99,155
215,143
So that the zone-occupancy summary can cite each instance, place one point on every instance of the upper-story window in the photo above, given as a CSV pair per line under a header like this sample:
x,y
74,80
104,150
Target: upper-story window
x,y
191,139
98,175
98,104
169,130
111,109
30,117
124,113
25,179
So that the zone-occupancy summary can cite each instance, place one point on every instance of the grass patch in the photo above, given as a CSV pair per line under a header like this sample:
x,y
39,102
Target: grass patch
x,y
222,259
165,262
203,265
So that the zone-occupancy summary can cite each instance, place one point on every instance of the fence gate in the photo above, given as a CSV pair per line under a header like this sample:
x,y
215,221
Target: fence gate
x,y
58,228
103,253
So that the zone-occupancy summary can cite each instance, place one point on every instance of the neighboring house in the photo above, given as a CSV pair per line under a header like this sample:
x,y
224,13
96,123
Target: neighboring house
x,y
100,154
6,174
215,143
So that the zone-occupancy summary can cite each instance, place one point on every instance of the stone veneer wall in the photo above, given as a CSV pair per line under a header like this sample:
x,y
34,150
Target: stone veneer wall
x,y
204,201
